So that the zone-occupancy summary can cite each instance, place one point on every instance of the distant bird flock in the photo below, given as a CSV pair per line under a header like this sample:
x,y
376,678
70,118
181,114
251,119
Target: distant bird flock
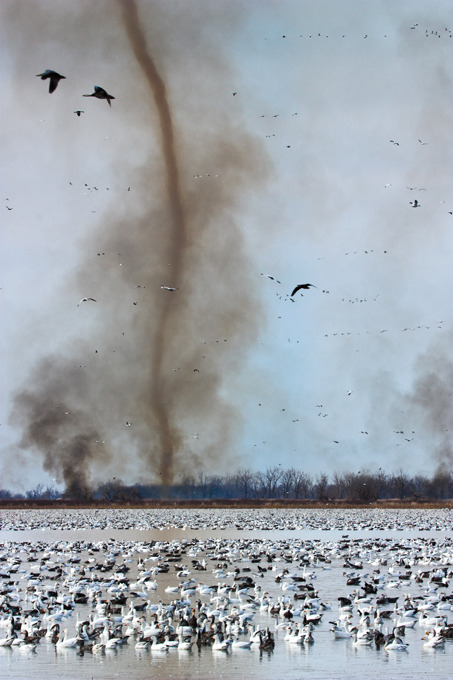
x,y
227,594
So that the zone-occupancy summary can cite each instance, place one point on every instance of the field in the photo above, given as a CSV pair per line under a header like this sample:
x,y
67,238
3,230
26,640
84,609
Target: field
x,y
21,504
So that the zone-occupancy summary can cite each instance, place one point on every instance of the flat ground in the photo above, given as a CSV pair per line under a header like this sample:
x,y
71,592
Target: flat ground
x,y
12,504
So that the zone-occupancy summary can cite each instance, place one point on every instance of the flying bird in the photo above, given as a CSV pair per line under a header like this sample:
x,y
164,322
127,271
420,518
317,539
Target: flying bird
x,y
304,286
269,276
100,93
86,300
167,288
53,76
79,112
415,204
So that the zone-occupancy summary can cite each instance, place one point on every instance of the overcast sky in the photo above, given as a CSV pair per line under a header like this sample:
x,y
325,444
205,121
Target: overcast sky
x,y
311,143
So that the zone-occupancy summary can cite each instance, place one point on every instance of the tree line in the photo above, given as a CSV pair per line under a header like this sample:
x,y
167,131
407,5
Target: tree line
x,y
273,483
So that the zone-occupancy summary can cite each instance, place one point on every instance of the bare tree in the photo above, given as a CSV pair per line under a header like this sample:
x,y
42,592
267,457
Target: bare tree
x,y
271,478
111,491
321,484
400,483
287,482
339,484
35,493
302,484
244,477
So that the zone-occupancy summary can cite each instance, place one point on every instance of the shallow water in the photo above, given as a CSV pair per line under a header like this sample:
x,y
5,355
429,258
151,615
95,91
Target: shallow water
x,y
325,659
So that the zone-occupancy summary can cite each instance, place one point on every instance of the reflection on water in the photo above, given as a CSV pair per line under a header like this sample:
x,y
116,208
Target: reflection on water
x,y
170,534
326,659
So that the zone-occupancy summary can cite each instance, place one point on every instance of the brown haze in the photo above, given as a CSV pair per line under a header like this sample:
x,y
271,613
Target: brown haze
x,y
431,399
142,392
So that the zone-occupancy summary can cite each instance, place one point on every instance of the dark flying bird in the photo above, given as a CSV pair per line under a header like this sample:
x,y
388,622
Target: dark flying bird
x,y
304,286
78,112
100,93
269,276
54,78
415,204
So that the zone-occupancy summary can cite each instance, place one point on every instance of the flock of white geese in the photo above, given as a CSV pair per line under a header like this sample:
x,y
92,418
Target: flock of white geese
x,y
225,594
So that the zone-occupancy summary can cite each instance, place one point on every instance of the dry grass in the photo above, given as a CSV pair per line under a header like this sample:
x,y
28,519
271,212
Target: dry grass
x,y
270,504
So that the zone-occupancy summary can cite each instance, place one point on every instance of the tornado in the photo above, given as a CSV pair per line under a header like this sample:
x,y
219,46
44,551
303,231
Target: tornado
x,y
176,238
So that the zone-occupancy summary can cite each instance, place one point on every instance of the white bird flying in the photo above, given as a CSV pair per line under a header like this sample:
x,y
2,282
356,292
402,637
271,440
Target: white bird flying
x,y
86,299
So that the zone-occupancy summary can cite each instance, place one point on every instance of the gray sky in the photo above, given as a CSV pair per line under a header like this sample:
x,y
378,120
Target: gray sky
x,y
293,176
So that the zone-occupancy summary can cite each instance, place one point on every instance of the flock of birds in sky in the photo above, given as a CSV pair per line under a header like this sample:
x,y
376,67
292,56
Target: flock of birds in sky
x,y
439,33
294,290
54,78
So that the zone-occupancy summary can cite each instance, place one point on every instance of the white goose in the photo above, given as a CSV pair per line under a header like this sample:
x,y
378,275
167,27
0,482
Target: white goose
x,y
433,640
6,642
142,644
158,646
185,643
396,644
222,645
240,644
67,642
341,632
360,641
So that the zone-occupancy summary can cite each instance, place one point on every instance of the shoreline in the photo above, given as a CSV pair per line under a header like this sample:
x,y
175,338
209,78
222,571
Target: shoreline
x,y
264,504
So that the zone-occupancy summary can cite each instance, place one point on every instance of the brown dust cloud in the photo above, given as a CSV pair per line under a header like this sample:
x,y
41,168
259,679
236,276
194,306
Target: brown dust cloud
x,y
137,391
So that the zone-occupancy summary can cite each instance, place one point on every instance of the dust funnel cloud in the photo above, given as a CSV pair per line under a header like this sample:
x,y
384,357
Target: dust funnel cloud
x,y
167,440
138,390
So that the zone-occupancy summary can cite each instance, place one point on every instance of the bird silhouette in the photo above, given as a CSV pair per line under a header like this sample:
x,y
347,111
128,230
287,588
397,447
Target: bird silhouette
x,y
302,286
269,276
86,299
100,93
79,112
54,78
